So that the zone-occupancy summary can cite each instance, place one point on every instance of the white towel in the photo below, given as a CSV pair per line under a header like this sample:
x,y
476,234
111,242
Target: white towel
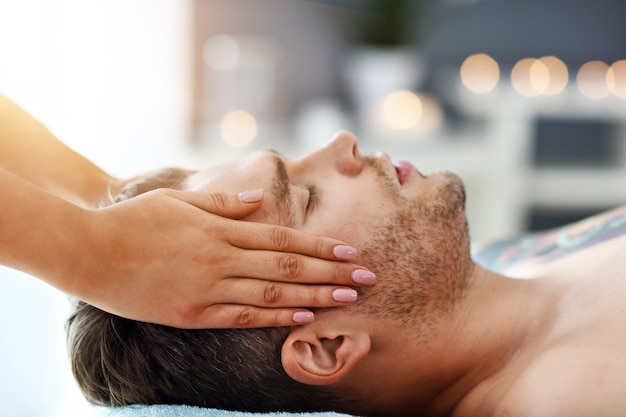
x,y
187,411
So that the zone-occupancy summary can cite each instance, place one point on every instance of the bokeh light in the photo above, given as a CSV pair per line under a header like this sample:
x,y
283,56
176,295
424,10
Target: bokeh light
x,y
616,79
480,73
592,80
539,76
558,75
521,77
402,110
546,76
238,128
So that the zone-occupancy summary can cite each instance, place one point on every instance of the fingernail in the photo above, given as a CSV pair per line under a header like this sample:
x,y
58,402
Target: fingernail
x,y
347,253
364,277
251,196
303,317
344,295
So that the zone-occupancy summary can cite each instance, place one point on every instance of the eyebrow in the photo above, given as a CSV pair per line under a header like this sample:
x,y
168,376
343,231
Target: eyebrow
x,y
281,188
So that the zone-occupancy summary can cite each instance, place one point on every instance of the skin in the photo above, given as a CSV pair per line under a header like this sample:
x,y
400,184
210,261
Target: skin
x,y
169,257
484,343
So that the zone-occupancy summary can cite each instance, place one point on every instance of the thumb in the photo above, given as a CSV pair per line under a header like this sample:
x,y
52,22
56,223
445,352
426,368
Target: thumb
x,y
224,204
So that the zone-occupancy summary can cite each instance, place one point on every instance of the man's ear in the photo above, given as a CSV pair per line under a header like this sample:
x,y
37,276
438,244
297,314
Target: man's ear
x,y
315,356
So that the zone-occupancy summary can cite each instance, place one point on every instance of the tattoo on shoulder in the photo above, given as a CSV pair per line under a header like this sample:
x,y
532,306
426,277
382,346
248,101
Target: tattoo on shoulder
x,y
555,243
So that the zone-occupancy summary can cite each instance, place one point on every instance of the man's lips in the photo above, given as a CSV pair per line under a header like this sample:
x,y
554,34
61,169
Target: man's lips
x,y
404,169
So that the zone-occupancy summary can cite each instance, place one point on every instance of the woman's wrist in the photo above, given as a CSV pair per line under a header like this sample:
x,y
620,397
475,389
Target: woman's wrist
x,y
86,244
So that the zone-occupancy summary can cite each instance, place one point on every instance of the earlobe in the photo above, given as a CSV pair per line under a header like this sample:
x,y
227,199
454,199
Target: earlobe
x,y
315,358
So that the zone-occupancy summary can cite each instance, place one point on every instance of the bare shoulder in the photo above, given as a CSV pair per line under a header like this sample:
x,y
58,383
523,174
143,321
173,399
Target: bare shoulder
x,y
569,382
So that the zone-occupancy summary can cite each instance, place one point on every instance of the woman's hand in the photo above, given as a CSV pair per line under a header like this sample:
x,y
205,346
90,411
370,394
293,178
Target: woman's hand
x,y
179,258
165,256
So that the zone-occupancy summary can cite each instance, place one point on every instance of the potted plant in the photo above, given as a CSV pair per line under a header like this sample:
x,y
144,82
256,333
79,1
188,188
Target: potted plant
x,y
385,55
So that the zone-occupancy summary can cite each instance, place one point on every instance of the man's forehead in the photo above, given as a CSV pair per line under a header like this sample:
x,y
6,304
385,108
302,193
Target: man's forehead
x,y
264,156
224,176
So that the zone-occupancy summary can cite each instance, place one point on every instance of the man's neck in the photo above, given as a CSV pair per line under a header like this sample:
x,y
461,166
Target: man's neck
x,y
499,324
496,325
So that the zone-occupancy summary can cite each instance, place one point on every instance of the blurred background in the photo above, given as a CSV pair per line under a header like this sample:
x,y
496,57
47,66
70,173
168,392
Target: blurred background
x,y
525,99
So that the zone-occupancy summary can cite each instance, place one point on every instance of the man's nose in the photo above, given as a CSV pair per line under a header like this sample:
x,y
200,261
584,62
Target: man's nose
x,y
343,150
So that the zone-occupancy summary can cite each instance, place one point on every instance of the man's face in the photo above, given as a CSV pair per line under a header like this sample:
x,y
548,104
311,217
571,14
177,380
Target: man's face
x,y
408,228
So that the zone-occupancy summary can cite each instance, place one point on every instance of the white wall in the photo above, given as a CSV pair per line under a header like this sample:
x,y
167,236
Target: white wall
x,y
111,79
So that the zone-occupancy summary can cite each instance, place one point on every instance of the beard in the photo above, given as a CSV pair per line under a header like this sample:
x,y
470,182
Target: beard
x,y
421,256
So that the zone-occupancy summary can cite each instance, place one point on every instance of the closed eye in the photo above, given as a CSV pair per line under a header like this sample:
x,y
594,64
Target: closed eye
x,y
312,200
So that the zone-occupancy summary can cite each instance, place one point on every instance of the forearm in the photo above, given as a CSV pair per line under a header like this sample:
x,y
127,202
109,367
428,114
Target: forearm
x,y
39,232
29,150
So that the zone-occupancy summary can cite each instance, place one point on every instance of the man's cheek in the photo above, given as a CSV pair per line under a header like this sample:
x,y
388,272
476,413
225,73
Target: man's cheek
x,y
262,215
334,224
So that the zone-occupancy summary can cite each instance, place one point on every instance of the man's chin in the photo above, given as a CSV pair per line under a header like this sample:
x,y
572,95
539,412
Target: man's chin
x,y
450,187
439,188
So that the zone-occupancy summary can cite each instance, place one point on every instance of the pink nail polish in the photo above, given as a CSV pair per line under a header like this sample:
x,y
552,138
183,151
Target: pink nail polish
x,y
344,295
364,277
303,317
251,196
345,252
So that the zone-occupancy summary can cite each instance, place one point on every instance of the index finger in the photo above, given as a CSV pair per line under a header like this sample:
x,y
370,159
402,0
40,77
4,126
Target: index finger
x,y
249,235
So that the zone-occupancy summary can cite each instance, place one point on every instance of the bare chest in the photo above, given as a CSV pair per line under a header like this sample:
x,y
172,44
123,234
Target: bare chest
x,y
581,368
574,379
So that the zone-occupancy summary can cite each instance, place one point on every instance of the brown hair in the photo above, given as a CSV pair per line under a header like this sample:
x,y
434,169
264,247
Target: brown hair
x,y
117,361
163,178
